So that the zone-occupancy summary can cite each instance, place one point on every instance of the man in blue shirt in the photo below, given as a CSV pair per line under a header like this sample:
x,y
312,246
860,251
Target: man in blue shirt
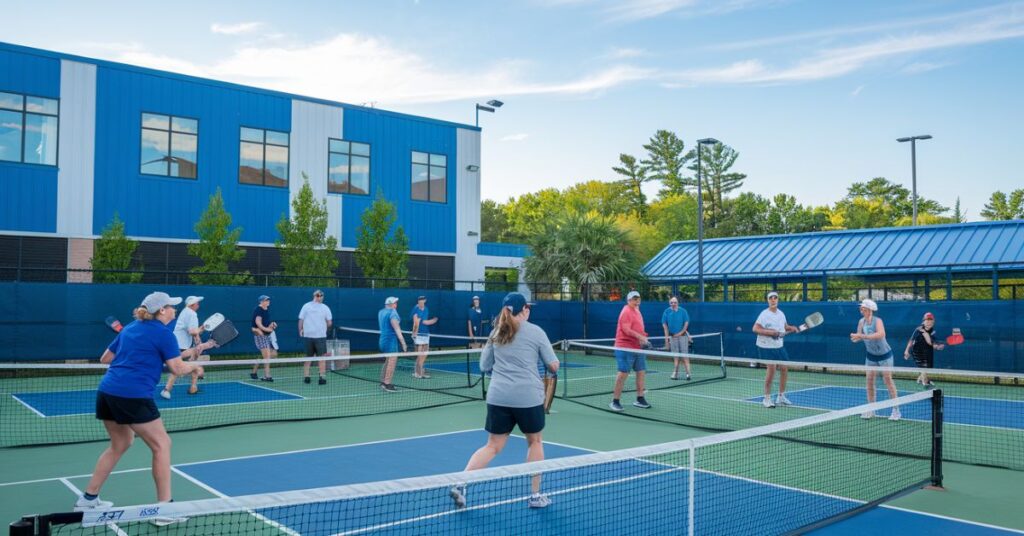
x,y
676,323
421,334
390,338
475,323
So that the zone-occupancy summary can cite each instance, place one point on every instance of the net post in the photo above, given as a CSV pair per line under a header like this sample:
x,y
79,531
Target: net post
x,y
26,526
691,500
937,416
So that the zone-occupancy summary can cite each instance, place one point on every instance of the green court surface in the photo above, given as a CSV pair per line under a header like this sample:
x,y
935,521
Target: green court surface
x,y
40,479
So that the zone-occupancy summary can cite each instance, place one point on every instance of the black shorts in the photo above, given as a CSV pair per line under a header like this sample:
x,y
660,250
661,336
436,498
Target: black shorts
x,y
501,420
316,346
924,361
125,410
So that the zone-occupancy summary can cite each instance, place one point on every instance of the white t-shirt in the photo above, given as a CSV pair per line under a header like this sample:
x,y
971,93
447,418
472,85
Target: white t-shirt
x,y
314,318
187,319
769,320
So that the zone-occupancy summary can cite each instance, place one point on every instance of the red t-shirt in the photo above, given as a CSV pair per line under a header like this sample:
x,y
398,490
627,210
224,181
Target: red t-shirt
x,y
629,317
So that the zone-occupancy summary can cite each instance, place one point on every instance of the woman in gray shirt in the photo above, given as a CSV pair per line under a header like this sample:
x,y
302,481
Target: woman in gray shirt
x,y
515,395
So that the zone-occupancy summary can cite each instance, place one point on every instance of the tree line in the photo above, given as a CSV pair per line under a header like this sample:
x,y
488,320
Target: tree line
x,y
307,250
636,228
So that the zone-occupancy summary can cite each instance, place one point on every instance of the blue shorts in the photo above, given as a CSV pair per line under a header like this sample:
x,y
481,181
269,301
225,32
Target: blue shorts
x,y
773,354
628,361
389,347
871,360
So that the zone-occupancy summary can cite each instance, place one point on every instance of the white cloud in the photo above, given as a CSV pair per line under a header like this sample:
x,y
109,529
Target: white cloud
x,y
235,29
857,90
364,69
515,137
922,67
638,10
619,53
835,62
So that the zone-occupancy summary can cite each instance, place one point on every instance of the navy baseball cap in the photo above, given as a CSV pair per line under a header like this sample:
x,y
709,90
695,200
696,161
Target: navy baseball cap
x,y
262,298
515,302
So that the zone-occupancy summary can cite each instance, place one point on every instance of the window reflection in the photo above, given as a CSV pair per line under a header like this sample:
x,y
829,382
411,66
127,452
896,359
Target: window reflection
x,y
170,146
263,157
429,177
348,167
28,129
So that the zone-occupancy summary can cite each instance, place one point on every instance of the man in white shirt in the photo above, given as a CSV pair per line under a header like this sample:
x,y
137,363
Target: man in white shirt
x,y
770,328
314,323
186,331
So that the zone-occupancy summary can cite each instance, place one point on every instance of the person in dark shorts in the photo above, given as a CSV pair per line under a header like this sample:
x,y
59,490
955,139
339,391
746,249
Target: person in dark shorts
x,y
124,399
922,347
515,396
314,324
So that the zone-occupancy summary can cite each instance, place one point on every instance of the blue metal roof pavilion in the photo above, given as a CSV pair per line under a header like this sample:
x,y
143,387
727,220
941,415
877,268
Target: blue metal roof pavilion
x,y
953,248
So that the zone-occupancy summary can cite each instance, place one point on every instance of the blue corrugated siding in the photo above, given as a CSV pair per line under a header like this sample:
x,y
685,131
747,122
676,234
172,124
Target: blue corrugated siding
x,y
429,226
867,250
502,250
169,207
29,199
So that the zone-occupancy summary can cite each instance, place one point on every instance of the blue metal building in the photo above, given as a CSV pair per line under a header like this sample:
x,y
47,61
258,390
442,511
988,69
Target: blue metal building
x,y
926,261
82,139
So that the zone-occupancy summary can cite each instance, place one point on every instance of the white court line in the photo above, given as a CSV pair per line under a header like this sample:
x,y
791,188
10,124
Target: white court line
x,y
258,386
29,406
78,493
216,492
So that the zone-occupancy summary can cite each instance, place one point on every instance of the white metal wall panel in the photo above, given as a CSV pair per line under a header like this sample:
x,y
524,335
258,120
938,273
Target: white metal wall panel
x,y
312,125
77,149
467,218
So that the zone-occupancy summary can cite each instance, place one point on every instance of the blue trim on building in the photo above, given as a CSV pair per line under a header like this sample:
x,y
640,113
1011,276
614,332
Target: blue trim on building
x,y
964,247
496,249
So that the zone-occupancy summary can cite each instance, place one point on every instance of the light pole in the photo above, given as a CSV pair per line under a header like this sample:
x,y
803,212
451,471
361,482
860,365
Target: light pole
x,y
491,106
913,167
700,217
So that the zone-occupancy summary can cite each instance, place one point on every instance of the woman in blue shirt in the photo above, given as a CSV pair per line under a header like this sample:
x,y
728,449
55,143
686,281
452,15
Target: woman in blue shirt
x,y
124,400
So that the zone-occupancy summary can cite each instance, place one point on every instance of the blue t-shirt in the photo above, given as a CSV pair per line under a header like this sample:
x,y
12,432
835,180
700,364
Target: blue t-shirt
x,y
139,354
424,314
476,320
387,333
675,319
265,315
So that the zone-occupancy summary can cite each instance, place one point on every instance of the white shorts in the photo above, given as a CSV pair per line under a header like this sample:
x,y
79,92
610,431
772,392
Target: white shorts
x,y
273,340
421,340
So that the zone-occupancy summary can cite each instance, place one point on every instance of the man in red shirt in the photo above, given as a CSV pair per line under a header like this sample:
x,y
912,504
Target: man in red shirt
x,y
630,334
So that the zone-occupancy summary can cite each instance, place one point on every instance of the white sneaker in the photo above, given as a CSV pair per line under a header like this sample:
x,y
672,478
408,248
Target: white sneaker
x,y
867,415
458,495
781,400
165,394
85,504
539,500
767,402
895,415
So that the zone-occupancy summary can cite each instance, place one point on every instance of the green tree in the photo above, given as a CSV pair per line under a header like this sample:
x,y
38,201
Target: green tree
x,y
744,215
880,203
307,251
716,177
527,214
645,240
958,215
665,161
605,198
382,249
786,216
113,251
1003,207
584,249
493,223
634,175
675,216
217,246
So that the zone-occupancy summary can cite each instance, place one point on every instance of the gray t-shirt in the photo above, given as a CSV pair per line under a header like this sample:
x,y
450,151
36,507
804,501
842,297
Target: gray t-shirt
x,y
515,380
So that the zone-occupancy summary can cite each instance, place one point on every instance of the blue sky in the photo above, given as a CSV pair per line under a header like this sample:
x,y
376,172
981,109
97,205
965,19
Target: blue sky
x,y
813,94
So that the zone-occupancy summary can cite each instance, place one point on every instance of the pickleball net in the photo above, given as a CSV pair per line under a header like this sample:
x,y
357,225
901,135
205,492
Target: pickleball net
x,y
778,479
984,410
55,403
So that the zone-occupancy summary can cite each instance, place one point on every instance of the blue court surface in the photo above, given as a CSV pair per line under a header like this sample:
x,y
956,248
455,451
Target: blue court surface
x,y
581,499
957,410
83,402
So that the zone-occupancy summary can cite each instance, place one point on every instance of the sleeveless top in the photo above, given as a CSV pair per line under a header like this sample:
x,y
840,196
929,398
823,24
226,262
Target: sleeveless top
x,y
876,347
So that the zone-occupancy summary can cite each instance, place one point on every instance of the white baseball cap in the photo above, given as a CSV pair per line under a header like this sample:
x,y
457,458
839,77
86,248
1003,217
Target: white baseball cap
x,y
773,293
158,300
869,304
193,299
390,300
632,294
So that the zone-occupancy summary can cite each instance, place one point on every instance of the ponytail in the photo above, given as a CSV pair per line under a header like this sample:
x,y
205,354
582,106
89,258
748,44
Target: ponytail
x,y
141,313
507,327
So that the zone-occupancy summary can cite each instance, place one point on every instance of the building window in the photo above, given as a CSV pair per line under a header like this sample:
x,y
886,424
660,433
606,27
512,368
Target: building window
x,y
348,167
429,177
169,146
263,157
28,129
